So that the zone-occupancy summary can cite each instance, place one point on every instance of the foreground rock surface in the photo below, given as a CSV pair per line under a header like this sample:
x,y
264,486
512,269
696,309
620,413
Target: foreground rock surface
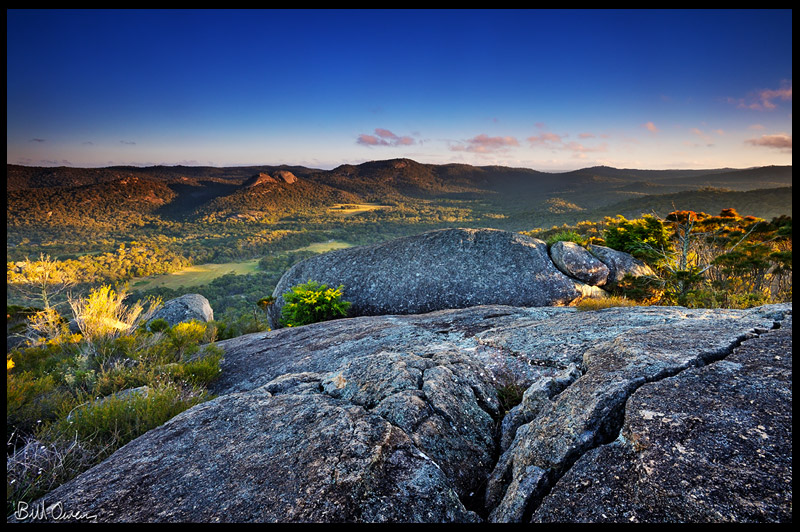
x,y
445,269
629,414
711,444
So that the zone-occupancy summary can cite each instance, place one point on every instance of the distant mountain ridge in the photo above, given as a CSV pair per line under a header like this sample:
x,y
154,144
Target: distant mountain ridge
x,y
186,192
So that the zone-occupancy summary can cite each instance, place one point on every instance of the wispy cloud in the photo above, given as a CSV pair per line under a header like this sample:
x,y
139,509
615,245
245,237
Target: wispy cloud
x,y
650,127
128,142
557,142
702,135
384,137
780,141
580,148
545,139
764,99
37,140
485,144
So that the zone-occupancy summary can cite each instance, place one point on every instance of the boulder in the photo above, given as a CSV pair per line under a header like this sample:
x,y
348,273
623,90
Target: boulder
x,y
577,262
445,269
620,263
630,413
185,308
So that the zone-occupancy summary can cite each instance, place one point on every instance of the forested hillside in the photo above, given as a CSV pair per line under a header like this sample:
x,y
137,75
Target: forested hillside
x,y
119,224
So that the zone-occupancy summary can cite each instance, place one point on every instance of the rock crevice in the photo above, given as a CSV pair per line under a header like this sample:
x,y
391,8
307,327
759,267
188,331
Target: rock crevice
x,y
514,492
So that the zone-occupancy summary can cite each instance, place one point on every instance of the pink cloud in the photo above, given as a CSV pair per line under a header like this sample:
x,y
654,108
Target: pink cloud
x,y
781,141
370,140
764,100
651,127
700,134
557,142
545,139
580,148
485,144
384,138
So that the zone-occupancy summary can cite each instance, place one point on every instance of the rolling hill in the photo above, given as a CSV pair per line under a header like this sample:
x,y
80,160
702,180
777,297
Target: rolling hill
x,y
116,196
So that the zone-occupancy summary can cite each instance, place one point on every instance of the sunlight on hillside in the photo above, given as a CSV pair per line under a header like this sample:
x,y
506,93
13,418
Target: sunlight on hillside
x,y
350,209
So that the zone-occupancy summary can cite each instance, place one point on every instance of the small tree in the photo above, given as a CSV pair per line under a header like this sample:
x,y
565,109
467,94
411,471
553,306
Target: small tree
x,y
41,281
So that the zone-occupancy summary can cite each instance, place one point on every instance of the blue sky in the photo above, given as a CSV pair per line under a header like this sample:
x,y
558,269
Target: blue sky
x,y
551,90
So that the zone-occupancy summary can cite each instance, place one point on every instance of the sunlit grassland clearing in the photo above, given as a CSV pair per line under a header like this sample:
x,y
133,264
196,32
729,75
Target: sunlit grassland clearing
x,y
196,275
201,274
350,209
324,247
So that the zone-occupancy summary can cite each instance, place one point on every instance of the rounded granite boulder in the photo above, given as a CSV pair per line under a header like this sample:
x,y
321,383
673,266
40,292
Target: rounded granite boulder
x,y
444,269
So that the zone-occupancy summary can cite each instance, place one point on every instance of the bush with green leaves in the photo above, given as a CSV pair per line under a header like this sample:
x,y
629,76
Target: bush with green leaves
x,y
567,236
646,238
312,302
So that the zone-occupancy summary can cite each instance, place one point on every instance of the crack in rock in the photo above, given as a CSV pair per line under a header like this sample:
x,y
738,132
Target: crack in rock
x,y
712,443
590,412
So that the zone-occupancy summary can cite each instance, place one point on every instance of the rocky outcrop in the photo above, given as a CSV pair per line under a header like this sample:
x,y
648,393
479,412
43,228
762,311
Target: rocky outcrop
x,y
281,176
445,269
187,307
459,268
629,414
620,263
260,179
285,176
577,262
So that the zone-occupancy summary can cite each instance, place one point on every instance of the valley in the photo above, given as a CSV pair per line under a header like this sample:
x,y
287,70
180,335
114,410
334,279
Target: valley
x,y
230,233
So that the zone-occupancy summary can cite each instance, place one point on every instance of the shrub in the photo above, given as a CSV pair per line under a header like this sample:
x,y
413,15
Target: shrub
x,y
567,236
107,423
645,290
185,338
200,370
46,325
158,325
311,303
103,314
646,238
31,401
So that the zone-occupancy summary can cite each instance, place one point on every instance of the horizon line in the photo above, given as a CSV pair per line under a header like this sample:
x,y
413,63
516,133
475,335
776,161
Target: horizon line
x,y
247,165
